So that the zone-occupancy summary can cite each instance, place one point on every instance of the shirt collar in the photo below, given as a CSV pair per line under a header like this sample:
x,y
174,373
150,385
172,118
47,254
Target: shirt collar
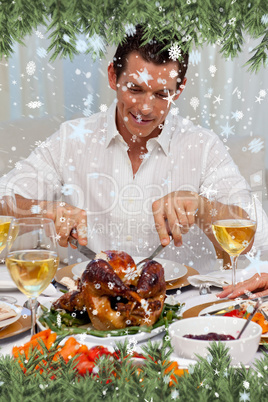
x,y
112,131
163,139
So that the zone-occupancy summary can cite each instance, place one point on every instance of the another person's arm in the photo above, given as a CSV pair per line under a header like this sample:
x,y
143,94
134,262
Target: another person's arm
x,y
258,284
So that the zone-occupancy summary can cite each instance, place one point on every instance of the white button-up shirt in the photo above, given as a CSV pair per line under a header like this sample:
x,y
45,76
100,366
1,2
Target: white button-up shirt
x,y
86,163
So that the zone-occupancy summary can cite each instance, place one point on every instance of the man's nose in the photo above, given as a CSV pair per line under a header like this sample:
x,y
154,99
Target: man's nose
x,y
147,105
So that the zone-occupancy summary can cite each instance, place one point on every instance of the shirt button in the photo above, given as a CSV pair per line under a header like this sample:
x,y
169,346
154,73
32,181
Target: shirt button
x,y
128,238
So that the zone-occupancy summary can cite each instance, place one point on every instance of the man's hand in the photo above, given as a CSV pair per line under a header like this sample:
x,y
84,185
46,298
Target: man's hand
x,y
67,219
174,214
258,283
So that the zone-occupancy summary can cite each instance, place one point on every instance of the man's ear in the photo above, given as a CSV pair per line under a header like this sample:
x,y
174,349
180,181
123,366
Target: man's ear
x,y
112,76
181,88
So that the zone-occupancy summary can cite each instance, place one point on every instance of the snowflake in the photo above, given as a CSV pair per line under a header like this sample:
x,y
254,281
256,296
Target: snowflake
x,y
173,73
130,29
95,312
41,52
264,19
174,111
208,192
39,34
174,394
59,320
66,38
35,209
79,131
67,189
195,57
255,145
218,99
255,262
34,104
30,68
62,219
97,286
194,102
237,115
174,52
96,44
110,285
212,69
43,144
169,98
131,273
232,21
245,396
18,165
57,237
227,130
81,46
103,107
144,76
262,93
213,212
82,337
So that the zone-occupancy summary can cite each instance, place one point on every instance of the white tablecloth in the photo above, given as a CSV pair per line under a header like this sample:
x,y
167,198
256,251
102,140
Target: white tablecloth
x,y
188,295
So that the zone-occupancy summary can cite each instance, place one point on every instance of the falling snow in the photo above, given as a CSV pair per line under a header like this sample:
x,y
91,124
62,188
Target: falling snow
x,y
174,52
30,68
256,145
194,102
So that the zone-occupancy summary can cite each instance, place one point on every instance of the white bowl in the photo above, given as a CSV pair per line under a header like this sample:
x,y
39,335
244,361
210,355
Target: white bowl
x,y
240,351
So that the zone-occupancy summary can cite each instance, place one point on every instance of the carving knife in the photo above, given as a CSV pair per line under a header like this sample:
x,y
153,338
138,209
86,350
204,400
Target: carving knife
x,y
90,254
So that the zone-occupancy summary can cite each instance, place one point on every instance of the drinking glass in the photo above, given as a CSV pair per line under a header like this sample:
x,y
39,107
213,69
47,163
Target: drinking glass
x,y
234,223
32,258
7,213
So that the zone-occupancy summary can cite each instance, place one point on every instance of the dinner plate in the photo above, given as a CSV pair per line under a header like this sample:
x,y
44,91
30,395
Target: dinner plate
x,y
173,270
8,321
108,340
66,272
22,325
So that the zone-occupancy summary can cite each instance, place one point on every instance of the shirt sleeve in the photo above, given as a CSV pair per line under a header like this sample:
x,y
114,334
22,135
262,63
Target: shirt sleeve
x,y
40,175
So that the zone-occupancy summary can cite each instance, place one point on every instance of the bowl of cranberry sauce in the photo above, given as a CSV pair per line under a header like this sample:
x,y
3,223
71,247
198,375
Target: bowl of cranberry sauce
x,y
191,337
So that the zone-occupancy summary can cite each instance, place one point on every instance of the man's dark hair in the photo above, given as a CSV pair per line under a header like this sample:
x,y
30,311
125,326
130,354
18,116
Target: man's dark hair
x,y
151,52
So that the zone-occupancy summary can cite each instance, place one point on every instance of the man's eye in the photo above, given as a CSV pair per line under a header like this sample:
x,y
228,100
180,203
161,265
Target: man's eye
x,y
135,90
161,95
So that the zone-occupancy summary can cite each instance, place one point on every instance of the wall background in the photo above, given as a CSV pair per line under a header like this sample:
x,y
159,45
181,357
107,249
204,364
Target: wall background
x,y
37,95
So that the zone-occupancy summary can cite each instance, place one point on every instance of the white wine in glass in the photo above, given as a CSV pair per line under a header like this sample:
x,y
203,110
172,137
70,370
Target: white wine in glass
x,y
33,259
7,216
234,223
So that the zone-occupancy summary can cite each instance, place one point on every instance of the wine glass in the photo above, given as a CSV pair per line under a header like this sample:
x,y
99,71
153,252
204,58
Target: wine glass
x,y
234,223
7,212
32,258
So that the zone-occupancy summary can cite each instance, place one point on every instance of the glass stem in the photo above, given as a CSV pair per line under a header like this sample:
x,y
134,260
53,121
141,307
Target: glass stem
x,y
33,301
234,265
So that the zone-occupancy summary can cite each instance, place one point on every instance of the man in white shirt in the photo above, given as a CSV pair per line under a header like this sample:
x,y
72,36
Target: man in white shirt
x,y
132,174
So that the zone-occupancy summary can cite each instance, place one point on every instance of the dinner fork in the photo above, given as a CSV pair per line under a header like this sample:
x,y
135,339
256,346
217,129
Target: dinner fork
x,y
264,314
151,257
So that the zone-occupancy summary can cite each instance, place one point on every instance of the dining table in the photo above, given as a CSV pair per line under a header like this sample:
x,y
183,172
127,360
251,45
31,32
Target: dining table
x,y
187,295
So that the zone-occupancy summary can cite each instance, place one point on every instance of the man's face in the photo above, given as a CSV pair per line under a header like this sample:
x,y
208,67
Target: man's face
x,y
145,92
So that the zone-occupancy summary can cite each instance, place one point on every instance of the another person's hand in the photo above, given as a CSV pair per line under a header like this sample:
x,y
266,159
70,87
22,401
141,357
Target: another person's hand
x,y
67,219
174,214
258,283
